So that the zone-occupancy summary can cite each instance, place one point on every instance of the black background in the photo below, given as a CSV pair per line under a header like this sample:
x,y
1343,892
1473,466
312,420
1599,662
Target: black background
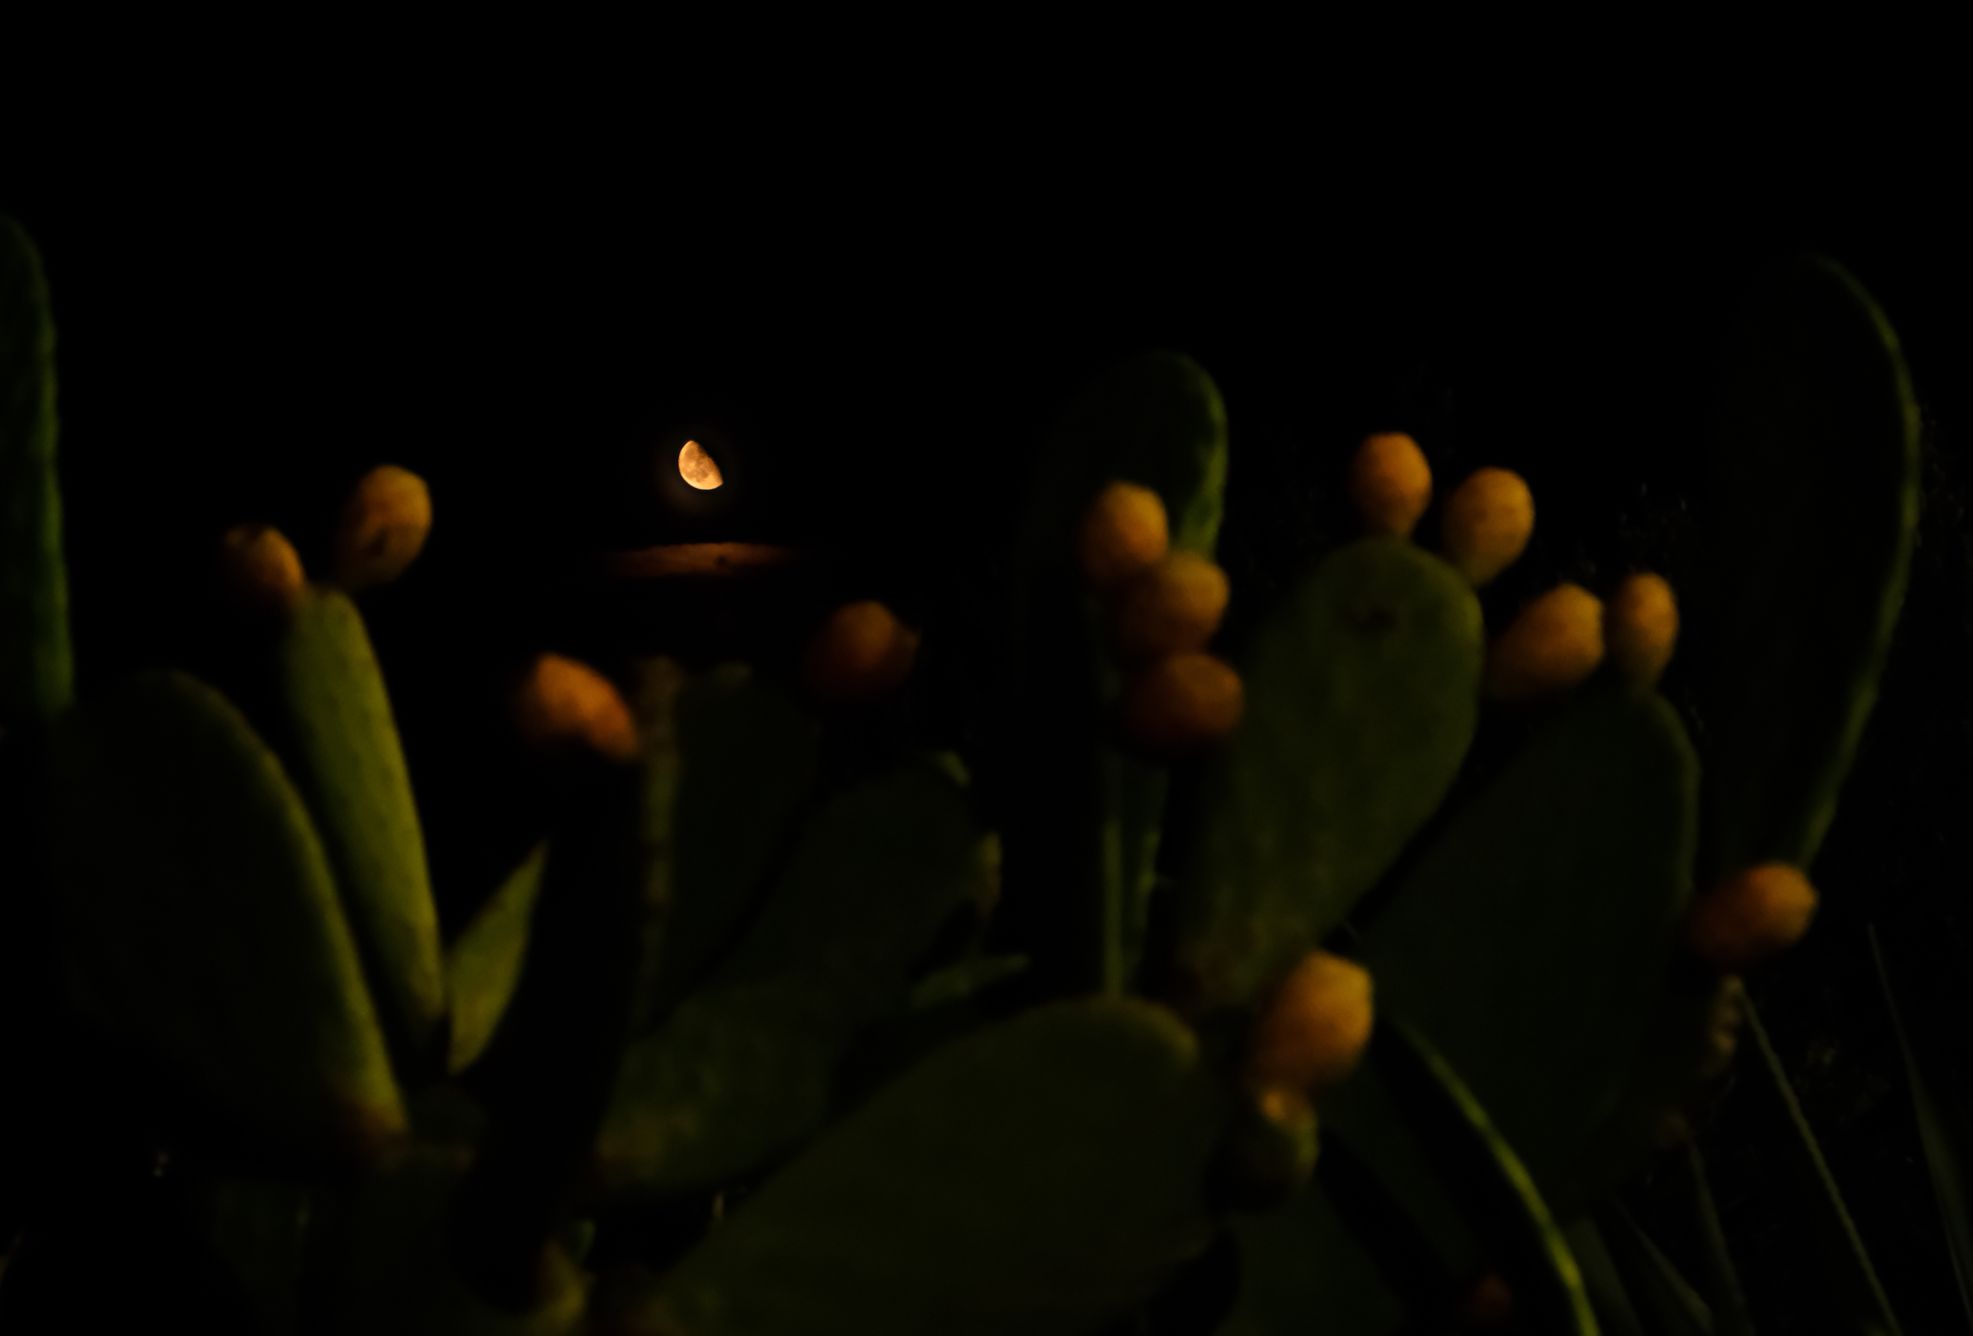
x,y
874,344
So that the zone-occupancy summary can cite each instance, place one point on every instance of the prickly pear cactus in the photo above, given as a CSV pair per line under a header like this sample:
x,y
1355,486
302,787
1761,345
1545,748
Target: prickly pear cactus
x,y
758,1039
36,670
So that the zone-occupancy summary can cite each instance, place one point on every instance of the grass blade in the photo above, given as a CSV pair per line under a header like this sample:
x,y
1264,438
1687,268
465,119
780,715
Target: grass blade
x,y
1942,1159
1863,1294
1722,1284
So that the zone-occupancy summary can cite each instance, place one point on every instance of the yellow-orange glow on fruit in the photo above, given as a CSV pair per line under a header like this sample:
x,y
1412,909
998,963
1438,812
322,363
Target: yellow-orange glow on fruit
x,y
1173,607
1286,1106
1313,1028
698,469
1641,626
1488,520
261,568
1750,917
1555,643
1180,705
1124,532
384,526
1390,483
862,652
564,704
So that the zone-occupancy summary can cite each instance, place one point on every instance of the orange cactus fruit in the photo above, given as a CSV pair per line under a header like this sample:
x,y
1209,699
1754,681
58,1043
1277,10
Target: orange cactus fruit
x,y
1173,607
1554,644
1641,627
1751,917
1124,533
383,528
1312,1029
1181,705
565,706
1488,521
860,653
261,568
1269,1150
1390,483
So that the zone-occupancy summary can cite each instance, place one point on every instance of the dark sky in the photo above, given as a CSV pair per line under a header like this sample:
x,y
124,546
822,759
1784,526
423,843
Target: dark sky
x,y
877,341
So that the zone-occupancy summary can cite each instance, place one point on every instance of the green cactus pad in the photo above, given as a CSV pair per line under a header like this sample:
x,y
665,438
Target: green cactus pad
x,y
201,919
377,1260
483,968
1137,792
743,1069
965,980
337,736
1410,1245
1531,940
1362,695
1433,1198
1156,420
255,1232
1302,1270
1662,1079
370,1240
1038,1176
36,668
1814,507
730,763
1496,1191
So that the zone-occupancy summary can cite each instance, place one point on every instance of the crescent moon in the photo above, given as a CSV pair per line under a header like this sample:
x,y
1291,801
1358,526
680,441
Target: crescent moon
x,y
697,468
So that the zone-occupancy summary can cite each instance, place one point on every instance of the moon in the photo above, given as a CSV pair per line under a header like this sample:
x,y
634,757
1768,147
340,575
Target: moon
x,y
697,468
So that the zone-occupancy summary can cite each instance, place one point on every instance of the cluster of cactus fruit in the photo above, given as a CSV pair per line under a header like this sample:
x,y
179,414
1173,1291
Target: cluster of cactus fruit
x,y
709,1061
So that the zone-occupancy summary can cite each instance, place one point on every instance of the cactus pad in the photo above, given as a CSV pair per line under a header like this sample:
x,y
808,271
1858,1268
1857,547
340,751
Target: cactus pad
x,y
340,742
202,921
1814,508
1037,1176
1362,692
743,1069
36,669
1531,940
483,968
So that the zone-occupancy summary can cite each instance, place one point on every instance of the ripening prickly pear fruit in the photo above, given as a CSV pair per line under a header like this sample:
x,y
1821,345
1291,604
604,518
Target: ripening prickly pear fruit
x,y
1312,1029
1488,520
1268,1153
383,528
861,652
1181,704
1173,607
261,568
1390,483
1750,917
1124,532
1721,1036
564,705
1552,645
1640,625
